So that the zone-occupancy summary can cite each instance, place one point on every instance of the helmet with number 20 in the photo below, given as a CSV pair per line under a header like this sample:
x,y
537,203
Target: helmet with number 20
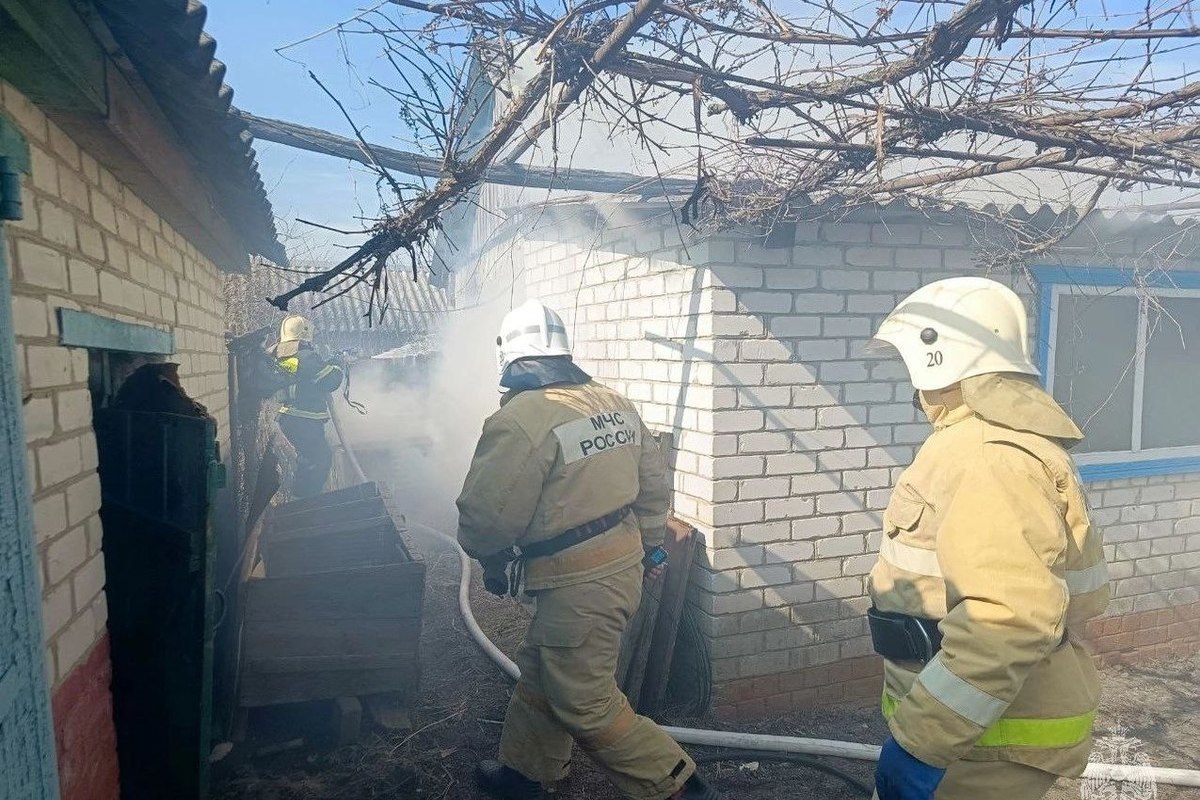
x,y
958,328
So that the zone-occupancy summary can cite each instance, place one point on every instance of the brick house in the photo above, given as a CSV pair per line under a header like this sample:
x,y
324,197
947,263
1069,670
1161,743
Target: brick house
x,y
788,437
130,192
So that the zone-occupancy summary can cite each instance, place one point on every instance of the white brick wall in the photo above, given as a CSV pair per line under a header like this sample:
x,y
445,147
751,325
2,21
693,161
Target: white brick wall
x,y
790,435
88,243
641,323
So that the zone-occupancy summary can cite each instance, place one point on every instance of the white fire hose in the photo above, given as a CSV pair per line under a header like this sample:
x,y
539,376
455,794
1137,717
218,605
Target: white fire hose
x,y
752,741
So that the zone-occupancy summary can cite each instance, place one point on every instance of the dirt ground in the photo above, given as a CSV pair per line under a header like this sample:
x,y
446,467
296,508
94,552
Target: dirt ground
x,y
463,697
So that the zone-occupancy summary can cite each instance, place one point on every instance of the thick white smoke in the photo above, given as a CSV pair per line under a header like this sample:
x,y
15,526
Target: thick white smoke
x,y
418,436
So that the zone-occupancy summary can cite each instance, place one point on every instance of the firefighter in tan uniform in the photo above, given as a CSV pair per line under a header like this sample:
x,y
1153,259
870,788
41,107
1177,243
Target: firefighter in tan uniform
x,y
988,565
566,473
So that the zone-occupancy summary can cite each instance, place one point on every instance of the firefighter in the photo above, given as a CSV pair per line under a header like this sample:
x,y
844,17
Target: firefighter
x,y
566,472
304,402
988,567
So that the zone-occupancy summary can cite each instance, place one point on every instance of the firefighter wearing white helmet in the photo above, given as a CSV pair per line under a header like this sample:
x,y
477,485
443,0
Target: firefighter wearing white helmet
x,y
294,330
988,566
566,494
304,402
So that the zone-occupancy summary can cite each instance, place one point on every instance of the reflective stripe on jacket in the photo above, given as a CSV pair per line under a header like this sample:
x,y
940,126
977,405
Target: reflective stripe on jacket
x,y
988,531
552,459
314,379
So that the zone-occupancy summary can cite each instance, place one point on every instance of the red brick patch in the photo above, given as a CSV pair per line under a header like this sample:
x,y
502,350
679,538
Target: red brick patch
x,y
1145,635
84,732
855,681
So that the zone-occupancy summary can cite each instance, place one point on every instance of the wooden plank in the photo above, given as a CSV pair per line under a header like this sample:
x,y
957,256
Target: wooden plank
x,y
360,491
265,689
360,517
25,65
370,593
10,687
635,646
67,46
281,532
285,638
680,545
335,550
82,329
48,51
345,662
149,135
366,508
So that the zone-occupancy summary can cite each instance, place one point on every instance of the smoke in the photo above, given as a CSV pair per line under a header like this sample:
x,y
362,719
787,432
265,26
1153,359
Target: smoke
x,y
420,430
419,435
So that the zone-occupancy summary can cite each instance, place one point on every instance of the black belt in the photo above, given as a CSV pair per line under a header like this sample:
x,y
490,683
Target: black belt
x,y
902,637
574,536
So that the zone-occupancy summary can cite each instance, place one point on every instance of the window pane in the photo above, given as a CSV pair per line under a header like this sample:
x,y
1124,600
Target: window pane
x,y
1093,367
1172,386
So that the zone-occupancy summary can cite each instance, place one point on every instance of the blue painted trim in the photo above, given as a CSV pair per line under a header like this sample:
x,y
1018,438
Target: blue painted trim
x,y
13,145
1111,276
1045,309
1139,469
81,329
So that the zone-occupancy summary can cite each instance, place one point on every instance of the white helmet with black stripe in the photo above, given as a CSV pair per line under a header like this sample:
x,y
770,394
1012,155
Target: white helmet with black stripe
x,y
531,330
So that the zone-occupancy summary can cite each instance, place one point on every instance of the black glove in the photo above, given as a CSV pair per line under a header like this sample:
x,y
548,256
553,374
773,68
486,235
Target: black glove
x,y
495,572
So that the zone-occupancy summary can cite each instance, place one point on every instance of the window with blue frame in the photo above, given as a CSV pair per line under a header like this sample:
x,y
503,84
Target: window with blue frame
x,y
1124,360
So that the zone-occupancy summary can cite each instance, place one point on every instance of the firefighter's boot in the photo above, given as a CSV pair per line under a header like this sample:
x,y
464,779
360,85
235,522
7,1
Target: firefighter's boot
x,y
506,783
696,788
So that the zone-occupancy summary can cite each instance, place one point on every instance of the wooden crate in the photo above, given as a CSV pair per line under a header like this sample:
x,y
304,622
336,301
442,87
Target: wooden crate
x,y
365,542
338,613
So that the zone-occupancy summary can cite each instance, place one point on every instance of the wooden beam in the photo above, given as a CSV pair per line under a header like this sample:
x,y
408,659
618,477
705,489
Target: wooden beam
x,y
315,140
138,144
55,55
54,28
81,329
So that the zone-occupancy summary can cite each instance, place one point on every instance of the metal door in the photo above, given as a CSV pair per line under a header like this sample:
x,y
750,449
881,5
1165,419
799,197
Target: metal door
x,y
158,472
26,732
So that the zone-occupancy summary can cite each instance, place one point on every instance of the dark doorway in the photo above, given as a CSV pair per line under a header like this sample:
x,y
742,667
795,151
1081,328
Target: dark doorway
x,y
158,468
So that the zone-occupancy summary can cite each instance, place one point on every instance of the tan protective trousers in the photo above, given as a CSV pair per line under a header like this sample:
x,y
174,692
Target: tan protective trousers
x,y
568,691
992,780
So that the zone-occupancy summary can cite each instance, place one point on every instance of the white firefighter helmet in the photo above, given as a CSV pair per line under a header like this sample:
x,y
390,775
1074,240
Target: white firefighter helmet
x,y
296,328
530,330
958,328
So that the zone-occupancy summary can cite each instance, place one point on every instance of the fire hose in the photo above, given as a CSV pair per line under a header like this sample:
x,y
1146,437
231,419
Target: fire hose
x,y
761,743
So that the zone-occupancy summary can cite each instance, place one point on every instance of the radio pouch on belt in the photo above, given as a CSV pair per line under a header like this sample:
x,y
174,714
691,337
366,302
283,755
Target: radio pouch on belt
x,y
901,637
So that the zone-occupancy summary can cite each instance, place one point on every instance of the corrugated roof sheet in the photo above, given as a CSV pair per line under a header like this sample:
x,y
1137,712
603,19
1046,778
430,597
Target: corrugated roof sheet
x,y
166,42
413,314
1045,214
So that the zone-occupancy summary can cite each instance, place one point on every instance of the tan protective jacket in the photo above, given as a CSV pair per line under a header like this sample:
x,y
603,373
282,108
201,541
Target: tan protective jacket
x,y
555,458
988,531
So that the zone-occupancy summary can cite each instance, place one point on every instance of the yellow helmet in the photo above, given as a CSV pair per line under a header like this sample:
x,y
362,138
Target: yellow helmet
x,y
296,328
958,328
